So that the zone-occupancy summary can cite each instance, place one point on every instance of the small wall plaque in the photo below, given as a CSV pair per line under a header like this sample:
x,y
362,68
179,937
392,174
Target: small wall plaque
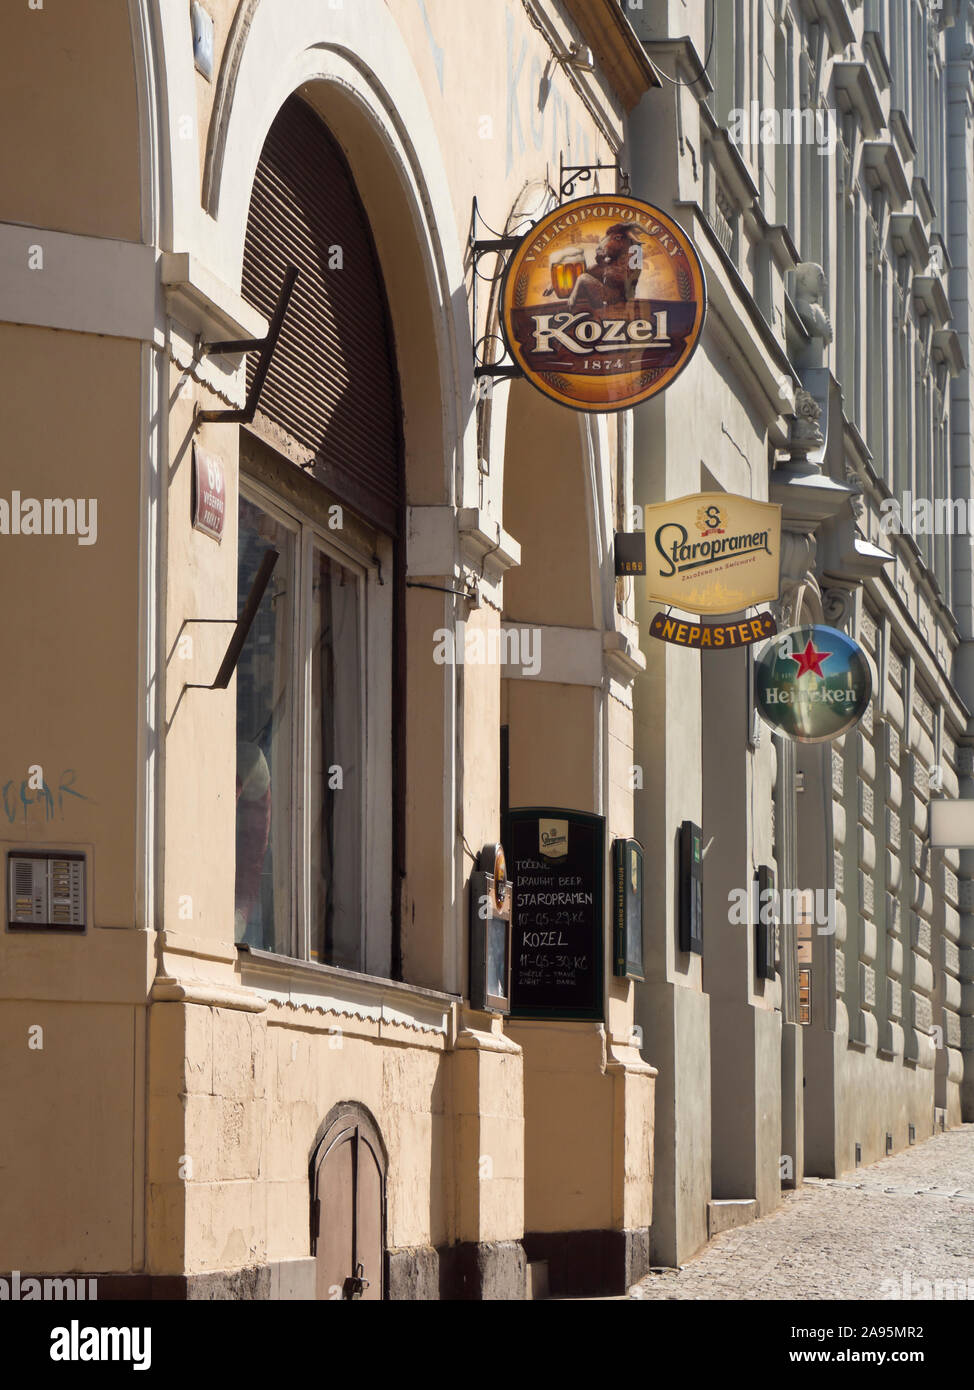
x,y
202,40
630,552
209,494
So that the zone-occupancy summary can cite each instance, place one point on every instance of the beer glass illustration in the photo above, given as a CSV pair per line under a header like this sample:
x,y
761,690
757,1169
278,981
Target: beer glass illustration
x,y
566,267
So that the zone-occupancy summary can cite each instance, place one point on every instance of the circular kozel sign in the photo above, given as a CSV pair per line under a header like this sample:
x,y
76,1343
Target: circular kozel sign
x,y
813,684
603,303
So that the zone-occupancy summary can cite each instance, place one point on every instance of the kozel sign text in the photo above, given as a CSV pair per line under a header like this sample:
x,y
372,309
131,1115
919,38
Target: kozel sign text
x,y
603,303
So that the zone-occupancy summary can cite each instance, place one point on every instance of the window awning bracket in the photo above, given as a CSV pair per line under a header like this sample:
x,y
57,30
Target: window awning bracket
x,y
266,347
243,623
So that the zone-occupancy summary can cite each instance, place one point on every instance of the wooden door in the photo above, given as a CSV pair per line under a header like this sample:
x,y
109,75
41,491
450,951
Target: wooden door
x,y
349,1212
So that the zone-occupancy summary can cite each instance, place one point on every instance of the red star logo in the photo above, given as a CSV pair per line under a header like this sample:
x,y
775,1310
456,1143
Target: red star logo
x,y
810,661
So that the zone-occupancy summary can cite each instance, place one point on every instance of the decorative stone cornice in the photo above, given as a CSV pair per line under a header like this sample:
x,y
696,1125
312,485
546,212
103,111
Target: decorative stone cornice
x,y
625,1060
485,545
834,14
884,169
856,91
480,1040
909,238
684,62
930,293
326,989
203,303
166,989
847,557
876,56
623,659
946,348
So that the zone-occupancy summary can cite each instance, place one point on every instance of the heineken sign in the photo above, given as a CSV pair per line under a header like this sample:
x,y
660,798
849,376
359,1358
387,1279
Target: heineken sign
x,y
603,303
813,684
713,552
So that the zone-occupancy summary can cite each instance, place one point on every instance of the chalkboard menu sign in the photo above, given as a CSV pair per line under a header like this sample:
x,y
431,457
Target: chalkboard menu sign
x,y
555,861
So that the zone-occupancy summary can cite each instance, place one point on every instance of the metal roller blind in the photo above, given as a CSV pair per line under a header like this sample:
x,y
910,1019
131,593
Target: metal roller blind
x,y
332,385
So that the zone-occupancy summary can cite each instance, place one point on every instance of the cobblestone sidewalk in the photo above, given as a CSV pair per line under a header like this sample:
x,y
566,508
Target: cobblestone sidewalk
x,y
904,1220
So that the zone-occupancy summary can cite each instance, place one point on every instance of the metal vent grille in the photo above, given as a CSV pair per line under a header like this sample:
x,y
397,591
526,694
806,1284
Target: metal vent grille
x,y
332,384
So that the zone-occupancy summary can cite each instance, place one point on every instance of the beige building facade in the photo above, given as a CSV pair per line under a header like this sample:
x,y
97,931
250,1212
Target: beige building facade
x,y
819,155
241,876
252,1068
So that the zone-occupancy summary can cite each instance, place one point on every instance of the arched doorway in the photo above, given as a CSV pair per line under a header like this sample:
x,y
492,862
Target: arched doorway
x,y
348,1186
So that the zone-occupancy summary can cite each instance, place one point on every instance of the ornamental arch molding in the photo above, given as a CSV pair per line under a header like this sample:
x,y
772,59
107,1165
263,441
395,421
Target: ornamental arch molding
x,y
353,67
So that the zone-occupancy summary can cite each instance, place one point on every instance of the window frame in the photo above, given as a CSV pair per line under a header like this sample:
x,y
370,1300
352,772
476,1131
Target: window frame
x,y
375,727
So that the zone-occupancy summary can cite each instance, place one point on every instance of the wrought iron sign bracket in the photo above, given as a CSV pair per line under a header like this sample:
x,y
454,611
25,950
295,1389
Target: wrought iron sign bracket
x,y
266,347
499,246
501,243
243,624
570,174
497,373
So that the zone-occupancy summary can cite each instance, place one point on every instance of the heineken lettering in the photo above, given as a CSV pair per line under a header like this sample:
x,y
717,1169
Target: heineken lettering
x,y
603,303
812,697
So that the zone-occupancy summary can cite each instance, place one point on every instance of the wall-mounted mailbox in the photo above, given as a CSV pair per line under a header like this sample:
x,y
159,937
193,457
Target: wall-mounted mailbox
x,y
490,933
46,891
765,923
691,888
627,906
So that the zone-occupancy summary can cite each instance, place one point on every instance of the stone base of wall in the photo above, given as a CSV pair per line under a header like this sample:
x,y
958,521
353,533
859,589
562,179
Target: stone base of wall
x,y
488,1270
591,1263
284,1279
484,1270
468,1271
413,1274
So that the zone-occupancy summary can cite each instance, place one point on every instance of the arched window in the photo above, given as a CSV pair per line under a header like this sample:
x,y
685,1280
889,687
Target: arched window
x,y
319,771
331,390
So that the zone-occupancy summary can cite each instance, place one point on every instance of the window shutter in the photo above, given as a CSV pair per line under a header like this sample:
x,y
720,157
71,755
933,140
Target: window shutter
x,y
332,386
